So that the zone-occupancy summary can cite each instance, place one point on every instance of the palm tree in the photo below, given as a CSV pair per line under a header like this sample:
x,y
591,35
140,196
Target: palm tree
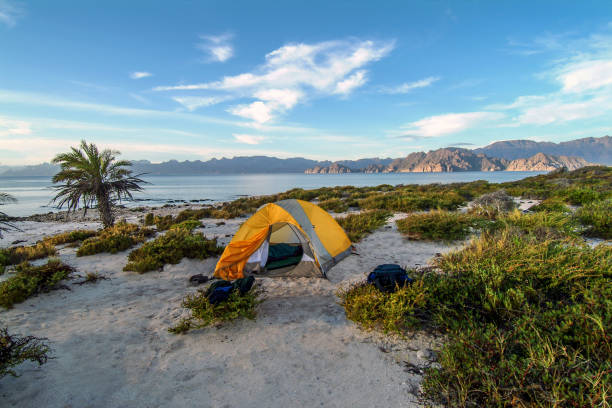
x,y
4,224
93,177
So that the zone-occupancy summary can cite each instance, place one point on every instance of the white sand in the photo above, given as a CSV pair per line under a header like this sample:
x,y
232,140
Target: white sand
x,y
112,348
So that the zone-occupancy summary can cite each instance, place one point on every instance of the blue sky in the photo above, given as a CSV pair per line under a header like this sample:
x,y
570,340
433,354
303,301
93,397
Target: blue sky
x,y
317,79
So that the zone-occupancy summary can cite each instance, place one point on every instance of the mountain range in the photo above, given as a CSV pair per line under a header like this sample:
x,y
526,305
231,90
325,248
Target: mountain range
x,y
496,156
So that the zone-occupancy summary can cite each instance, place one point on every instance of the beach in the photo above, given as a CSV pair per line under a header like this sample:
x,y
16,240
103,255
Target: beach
x,y
111,346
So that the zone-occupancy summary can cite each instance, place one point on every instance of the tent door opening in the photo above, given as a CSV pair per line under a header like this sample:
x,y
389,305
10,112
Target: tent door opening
x,y
286,252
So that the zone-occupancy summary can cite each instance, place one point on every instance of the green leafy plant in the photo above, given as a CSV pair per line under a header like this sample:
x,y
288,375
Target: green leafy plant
x,y
170,248
14,350
115,239
359,225
16,255
30,280
204,314
334,204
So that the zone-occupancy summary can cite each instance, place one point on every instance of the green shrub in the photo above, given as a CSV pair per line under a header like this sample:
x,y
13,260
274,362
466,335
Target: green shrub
x,y
359,225
70,237
526,322
389,312
30,280
582,196
551,205
204,314
15,350
499,201
597,217
17,255
149,219
170,248
189,225
115,239
543,224
438,225
334,204
408,201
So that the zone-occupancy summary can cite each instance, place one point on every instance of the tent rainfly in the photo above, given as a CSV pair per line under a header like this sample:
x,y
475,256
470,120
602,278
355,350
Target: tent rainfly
x,y
287,238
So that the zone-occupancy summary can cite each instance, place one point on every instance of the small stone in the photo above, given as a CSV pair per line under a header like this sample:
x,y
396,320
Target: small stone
x,y
424,354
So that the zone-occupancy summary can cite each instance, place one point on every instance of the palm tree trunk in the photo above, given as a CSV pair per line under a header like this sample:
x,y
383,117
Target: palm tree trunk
x,y
106,213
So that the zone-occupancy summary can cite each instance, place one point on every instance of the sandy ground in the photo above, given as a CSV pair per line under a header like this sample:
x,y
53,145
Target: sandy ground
x,y
112,347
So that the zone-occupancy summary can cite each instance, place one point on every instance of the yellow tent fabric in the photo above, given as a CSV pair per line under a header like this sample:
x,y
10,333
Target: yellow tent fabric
x,y
328,240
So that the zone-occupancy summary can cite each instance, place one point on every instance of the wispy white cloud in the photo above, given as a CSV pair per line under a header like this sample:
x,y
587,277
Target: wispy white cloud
x,y
295,72
194,102
248,139
439,125
217,47
140,74
407,87
586,75
10,12
12,127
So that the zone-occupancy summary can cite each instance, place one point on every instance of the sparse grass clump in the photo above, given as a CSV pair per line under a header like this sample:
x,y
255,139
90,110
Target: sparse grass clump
x,y
542,224
70,237
14,350
389,312
170,248
30,280
334,204
204,314
115,239
359,225
597,217
408,201
91,277
438,225
551,205
17,255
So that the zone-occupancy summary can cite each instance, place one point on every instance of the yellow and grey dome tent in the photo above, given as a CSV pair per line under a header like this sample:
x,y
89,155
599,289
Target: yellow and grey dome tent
x,y
285,225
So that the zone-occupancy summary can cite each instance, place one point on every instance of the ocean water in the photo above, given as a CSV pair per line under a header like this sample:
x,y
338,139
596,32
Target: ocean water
x,y
35,193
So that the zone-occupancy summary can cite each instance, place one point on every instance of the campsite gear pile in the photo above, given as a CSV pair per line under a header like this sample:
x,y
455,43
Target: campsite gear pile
x,y
289,238
388,277
221,290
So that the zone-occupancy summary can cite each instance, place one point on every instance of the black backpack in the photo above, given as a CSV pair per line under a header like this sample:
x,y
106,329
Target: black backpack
x,y
221,290
388,277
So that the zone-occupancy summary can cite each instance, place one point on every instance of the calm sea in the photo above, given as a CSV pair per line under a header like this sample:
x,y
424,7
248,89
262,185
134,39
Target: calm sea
x,y
34,193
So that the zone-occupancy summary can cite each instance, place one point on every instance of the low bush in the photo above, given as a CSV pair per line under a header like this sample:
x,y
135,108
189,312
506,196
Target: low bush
x,y
526,322
170,248
17,255
438,225
408,201
115,239
188,225
597,217
359,225
334,204
70,237
30,280
542,224
204,314
499,201
14,350
551,205
389,312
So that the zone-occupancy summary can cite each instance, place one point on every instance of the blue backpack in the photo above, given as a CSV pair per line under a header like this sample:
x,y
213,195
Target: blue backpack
x,y
388,277
221,290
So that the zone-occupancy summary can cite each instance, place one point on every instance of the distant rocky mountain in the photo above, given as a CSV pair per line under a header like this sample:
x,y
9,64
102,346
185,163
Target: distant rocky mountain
x,y
497,156
449,159
592,149
454,159
334,168
546,162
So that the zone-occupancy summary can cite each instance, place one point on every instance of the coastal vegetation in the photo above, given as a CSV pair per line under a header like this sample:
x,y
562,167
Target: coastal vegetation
x,y
70,237
526,320
177,243
18,254
359,225
438,225
203,313
93,178
14,350
115,239
4,219
30,280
